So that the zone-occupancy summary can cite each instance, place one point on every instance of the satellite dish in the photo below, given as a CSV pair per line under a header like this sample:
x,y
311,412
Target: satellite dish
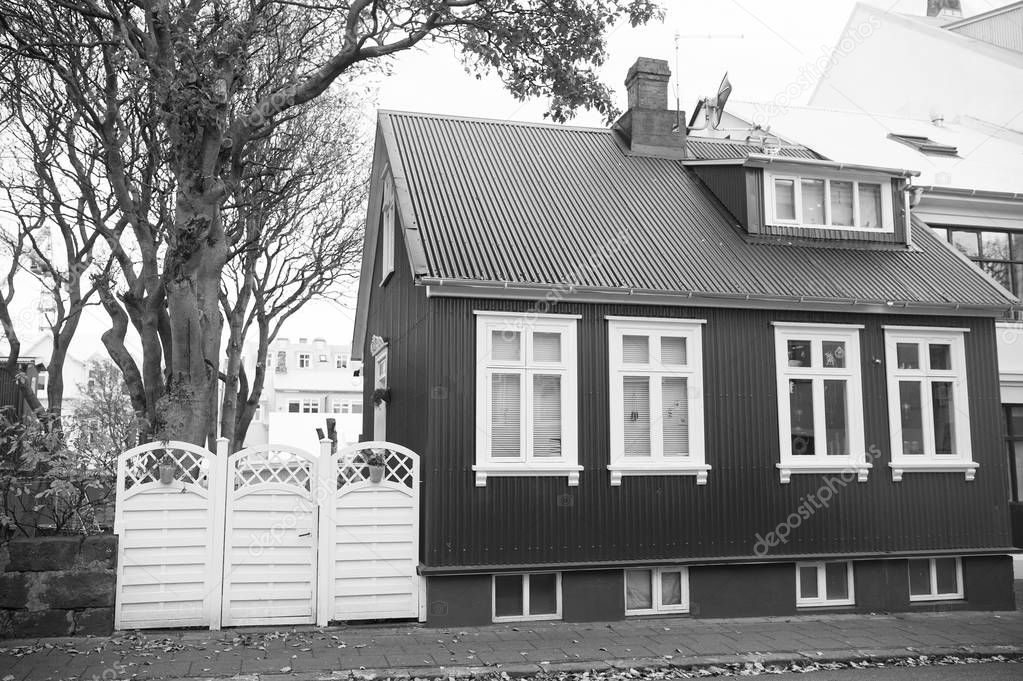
x,y
717,106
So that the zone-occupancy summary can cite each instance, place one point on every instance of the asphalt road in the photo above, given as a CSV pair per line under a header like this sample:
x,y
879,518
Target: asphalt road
x,y
988,671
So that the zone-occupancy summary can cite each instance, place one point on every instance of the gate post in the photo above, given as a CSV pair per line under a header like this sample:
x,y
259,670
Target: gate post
x,y
325,497
220,487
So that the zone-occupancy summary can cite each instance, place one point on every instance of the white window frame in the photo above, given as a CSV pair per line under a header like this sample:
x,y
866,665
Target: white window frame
x,y
929,462
958,595
305,360
387,227
820,462
307,405
655,579
336,404
822,600
525,465
525,617
887,207
297,403
341,360
657,463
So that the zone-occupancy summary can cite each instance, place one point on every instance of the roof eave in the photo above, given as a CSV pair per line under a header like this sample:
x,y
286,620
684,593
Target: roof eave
x,y
765,160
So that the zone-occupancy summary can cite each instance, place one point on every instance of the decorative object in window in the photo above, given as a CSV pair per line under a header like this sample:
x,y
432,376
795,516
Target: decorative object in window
x,y
651,591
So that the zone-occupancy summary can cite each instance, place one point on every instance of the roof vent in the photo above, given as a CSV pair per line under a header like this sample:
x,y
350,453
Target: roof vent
x,y
925,145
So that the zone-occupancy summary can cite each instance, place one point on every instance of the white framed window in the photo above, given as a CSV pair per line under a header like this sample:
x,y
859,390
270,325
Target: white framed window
x,y
526,398
928,401
533,596
41,381
820,399
380,381
294,406
651,591
304,360
310,405
323,358
935,579
340,360
829,201
656,397
824,584
387,228
338,406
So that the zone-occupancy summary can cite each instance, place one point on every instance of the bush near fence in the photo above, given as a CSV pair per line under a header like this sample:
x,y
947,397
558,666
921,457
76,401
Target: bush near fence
x,y
57,586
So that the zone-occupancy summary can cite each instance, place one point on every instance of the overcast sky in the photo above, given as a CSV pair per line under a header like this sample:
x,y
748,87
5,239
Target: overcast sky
x,y
764,47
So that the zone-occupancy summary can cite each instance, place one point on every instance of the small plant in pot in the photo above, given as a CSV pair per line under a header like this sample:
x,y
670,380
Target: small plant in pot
x,y
168,469
380,396
376,461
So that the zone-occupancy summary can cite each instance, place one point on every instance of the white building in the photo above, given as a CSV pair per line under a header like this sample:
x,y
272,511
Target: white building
x,y
307,381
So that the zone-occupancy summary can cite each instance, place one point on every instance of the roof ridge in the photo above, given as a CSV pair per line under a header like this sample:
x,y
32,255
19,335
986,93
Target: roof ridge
x,y
493,121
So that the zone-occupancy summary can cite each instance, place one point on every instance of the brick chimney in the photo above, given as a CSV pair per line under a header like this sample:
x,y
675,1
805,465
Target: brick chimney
x,y
649,125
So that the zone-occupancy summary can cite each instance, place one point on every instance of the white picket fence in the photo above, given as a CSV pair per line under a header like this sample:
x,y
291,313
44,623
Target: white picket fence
x,y
270,535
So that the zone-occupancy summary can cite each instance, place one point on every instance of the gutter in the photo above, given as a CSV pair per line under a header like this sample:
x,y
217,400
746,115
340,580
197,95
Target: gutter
x,y
763,160
972,193
570,292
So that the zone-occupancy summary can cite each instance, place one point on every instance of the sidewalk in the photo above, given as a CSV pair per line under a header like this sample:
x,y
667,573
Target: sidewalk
x,y
310,653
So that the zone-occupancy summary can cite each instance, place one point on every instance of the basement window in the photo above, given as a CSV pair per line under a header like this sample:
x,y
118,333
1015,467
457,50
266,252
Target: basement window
x,y
841,202
654,591
534,596
925,145
935,579
820,584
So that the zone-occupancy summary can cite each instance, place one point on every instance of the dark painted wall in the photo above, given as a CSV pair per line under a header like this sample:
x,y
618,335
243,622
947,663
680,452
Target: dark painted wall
x,y
988,583
536,521
463,600
593,595
728,184
742,590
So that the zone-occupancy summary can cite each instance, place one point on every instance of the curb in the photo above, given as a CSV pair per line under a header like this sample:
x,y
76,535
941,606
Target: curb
x,y
710,663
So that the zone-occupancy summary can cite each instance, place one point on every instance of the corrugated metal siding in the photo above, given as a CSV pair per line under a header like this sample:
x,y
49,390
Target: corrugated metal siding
x,y
1004,29
728,183
715,150
537,204
541,520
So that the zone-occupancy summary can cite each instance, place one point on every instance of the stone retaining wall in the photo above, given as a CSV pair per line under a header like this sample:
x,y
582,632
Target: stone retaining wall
x,y
58,586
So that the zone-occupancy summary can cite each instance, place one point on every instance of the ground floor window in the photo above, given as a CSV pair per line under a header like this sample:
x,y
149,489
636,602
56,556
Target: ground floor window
x,y
935,579
1014,439
821,584
534,596
650,591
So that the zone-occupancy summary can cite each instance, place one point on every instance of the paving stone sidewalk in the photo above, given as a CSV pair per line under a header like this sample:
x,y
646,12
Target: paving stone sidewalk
x,y
307,652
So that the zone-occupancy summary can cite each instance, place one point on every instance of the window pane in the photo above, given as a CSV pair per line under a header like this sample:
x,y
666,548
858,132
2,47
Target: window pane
x,y
543,594
841,203
637,415
507,345
870,205
1017,275
999,271
948,579
547,347
908,355
638,590
784,199
808,581
912,417
799,353
1016,454
836,580
673,350
940,356
836,418
966,242
801,411
635,350
813,201
671,587
506,415
546,416
293,407
675,404
994,245
356,407
944,417
919,577
833,354
941,232
508,595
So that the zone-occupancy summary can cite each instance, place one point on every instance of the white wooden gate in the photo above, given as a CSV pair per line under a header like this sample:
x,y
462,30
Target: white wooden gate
x,y
269,535
270,538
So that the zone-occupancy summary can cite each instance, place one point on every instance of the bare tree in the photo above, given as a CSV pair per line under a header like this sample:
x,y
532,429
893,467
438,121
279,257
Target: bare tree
x,y
189,86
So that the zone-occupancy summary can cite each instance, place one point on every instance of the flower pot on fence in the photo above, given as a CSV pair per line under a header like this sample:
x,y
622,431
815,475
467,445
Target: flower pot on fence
x,y
376,473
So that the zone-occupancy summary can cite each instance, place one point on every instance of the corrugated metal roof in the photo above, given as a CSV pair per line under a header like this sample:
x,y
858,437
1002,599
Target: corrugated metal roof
x,y
531,204
707,149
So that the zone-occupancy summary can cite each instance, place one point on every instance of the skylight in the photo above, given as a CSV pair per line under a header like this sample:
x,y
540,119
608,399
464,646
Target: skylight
x,y
925,145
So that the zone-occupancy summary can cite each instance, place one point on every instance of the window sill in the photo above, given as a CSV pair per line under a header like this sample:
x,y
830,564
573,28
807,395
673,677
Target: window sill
x,y
843,604
934,598
620,469
788,469
519,470
968,468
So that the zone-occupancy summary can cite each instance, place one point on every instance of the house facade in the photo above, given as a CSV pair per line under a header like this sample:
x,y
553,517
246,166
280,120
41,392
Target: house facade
x,y
649,373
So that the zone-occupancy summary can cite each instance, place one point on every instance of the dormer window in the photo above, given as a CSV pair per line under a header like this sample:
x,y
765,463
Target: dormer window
x,y
925,145
829,202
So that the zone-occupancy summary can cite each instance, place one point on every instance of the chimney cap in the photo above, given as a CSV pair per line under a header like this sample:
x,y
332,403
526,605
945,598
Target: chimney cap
x,y
648,66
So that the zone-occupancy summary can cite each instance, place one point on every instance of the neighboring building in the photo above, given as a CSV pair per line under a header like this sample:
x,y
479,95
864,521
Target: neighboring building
x,y
649,374
306,383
